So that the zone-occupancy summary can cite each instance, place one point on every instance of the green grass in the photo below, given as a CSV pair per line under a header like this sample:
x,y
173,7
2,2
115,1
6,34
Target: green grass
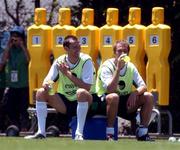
x,y
18,143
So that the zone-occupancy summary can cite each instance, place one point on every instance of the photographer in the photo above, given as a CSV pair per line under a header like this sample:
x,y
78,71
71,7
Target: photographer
x,y
16,58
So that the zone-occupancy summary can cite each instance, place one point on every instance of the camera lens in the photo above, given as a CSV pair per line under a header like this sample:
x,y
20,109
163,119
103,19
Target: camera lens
x,y
14,40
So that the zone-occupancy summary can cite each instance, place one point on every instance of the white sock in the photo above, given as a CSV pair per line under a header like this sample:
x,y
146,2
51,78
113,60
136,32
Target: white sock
x,y
82,109
142,131
110,130
41,110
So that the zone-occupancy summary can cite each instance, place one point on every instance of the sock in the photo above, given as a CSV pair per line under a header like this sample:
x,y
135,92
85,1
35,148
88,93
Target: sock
x,y
41,110
142,131
110,130
82,109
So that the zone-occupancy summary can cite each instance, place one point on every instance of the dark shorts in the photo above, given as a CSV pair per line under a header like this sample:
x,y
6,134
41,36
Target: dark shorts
x,y
96,107
122,109
70,106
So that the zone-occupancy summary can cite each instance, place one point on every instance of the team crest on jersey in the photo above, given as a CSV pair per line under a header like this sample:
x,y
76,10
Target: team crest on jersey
x,y
121,84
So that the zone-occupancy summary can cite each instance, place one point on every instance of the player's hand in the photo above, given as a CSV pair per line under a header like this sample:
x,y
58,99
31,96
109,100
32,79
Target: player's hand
x,y
45,86
64,68
131,103
48,85
121,62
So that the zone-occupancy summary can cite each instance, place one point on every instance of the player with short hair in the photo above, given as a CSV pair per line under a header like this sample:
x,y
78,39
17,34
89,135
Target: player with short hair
x,y
74,73
117,75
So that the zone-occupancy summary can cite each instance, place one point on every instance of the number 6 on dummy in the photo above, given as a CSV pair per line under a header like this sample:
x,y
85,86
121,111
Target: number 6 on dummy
x,y
157,47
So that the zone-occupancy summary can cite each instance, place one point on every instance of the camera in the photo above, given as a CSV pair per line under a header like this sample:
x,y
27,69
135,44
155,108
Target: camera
x,y
14,40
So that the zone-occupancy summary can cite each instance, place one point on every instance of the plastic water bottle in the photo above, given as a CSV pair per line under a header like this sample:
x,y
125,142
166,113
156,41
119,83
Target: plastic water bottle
x,y
51,90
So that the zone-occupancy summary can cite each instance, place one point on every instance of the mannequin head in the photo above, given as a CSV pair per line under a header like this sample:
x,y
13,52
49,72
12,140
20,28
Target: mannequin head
x,y
64,16
87,16
158,15
134,15
112,16
40,16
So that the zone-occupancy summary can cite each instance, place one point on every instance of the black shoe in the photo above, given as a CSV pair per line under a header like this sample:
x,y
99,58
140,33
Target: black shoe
x,y
35,136
145,137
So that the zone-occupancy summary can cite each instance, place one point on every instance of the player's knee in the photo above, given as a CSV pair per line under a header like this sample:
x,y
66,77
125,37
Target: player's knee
x,y
149,98
41,94
112,98
83,94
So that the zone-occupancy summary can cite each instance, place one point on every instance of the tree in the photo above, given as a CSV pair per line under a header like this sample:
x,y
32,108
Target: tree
x,y
17,12
21,12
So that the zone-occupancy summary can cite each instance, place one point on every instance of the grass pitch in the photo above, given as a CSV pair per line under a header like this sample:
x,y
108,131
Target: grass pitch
x,y
18,143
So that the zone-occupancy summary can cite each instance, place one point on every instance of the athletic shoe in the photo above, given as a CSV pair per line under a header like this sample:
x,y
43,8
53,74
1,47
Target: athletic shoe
x,y
78,137
110,137
35,136
145,137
